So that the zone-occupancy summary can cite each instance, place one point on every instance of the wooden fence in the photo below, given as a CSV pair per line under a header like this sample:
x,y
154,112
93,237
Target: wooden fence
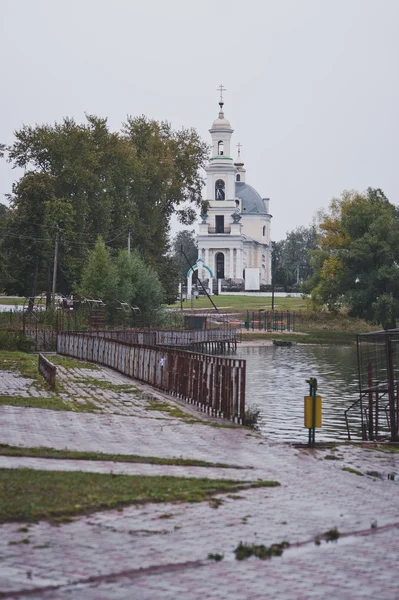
x,y
216,385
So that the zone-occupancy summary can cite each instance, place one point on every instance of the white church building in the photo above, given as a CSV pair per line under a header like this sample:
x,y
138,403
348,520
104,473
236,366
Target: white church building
x,y
234,236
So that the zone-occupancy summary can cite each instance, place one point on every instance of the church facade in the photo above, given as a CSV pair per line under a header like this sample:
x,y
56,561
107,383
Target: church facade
x,y
234,236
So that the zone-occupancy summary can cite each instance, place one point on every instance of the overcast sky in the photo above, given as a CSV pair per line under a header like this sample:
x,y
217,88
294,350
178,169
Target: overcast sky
x,y
312,85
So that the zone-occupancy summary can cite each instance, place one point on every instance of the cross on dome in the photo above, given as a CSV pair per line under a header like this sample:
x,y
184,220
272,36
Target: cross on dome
x,y
221,89
239,162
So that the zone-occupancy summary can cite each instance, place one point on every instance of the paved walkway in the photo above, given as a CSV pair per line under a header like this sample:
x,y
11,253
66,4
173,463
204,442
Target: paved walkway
x,y
139,554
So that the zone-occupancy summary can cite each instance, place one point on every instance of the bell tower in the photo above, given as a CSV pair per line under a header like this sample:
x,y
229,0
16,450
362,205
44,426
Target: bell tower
x,y
221,170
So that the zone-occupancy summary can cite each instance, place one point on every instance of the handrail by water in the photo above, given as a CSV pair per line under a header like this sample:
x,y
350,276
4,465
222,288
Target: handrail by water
x,y
215,384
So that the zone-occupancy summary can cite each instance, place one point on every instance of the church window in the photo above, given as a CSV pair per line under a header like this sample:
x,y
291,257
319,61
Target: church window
x,y
219,190
219,222
220,148
264,230
238,178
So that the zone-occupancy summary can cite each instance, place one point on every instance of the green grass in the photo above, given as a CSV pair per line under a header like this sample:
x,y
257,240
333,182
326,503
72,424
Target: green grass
x,y
23,362
12,301
30,495
52,402
215,556
331,535
176,413
6,450
245,551
103,384
354,471
173,411
388,448
234,303
71,363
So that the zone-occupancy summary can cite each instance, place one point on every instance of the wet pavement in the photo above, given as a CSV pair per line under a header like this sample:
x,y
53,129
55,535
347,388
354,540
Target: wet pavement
x,y
138,553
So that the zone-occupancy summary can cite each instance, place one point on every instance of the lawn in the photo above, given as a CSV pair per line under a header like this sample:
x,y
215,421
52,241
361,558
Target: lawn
x,y
30,495
243,303
24,363
12,301
6,450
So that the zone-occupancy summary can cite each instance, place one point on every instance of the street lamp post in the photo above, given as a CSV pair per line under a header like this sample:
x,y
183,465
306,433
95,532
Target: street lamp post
x,y
273,271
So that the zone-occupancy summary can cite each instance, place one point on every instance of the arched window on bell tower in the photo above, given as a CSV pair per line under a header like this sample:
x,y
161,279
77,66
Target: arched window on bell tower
x,y
220,148
220,193
238,177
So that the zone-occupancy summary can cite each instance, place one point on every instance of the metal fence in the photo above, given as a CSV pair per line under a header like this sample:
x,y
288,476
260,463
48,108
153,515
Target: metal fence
x,y
270,320
186,338
216,385
378,365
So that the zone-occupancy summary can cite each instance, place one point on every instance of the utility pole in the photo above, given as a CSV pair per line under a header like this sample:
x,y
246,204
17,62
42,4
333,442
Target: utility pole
x,y
128,242
57,237
273,270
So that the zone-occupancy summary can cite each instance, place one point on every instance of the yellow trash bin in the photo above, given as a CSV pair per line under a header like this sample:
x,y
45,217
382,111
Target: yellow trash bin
x,y
309,412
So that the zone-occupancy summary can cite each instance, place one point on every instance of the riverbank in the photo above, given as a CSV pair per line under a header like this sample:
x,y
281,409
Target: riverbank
x,y
158,543
311,336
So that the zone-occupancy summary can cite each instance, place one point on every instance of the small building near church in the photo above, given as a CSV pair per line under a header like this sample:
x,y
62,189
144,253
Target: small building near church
x,y
234,247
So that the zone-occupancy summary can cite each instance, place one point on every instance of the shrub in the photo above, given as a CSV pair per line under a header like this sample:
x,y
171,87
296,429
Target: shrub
x,y
13,341
252,416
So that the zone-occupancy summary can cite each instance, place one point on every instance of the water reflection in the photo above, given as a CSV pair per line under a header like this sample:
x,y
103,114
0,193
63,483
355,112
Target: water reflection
x,y
276,384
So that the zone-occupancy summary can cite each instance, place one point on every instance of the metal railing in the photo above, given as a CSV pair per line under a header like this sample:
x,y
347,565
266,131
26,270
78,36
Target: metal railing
x,y
215,384
179,338
225,229
270,320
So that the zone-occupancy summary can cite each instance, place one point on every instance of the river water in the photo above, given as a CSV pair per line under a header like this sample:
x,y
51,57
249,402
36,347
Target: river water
x,y
276,384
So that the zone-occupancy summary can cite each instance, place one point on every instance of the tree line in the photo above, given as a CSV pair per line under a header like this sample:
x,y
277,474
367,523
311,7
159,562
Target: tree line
x,y
350,258
82,181
87,190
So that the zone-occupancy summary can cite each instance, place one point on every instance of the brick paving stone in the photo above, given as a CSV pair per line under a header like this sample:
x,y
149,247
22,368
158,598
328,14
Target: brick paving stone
x,y
111,547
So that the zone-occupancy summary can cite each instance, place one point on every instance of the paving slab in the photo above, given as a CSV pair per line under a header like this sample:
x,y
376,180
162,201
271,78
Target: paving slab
x,y
138,553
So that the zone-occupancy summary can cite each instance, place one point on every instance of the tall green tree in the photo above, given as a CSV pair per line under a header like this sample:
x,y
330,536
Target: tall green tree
x,y
100,276
293,256
125,278
110,184
4,274
28,239
358,261
185,240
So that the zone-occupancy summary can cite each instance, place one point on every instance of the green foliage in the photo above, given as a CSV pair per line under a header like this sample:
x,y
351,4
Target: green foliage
x,y
185,239
245,551
293,256
332,535
28,240
89,181
99,276
252,416
13,341
215,556
358,263
125,278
